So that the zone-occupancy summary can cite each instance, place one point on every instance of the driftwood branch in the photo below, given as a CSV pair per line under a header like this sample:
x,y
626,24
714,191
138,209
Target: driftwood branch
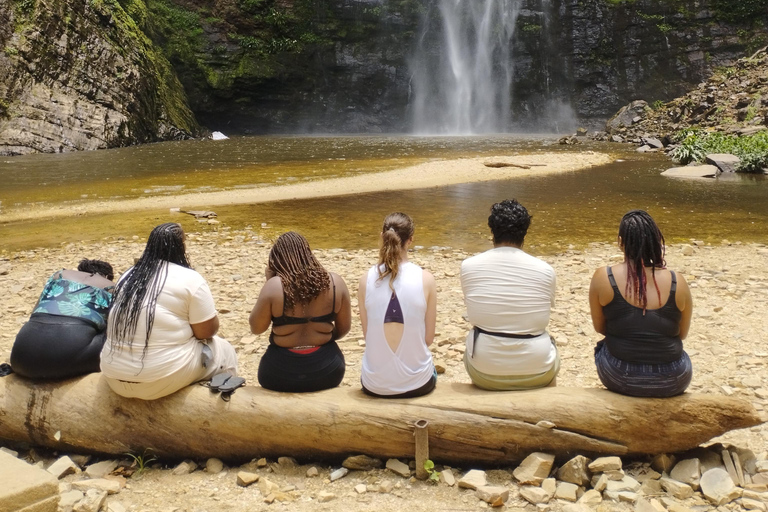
x,y
465,424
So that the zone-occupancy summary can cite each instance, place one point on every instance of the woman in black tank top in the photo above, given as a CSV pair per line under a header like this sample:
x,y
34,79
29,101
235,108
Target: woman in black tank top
x,y
308,309
644,311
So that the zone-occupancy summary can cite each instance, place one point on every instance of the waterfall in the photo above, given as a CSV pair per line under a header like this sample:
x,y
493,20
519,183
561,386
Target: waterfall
x,y
461,84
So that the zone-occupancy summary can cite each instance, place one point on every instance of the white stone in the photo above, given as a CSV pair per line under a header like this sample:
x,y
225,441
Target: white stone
x,y
68,499
591,498
100,484
495,495
550,486
93,501
214,466
447,477
339,473
751,504
566,491
677,489
62,467
687,471
361,488
399,468
625,484
534,495
601,483
267,487
718,488
603,464
184,468
244,478
101,469
312,472
534,468
473,479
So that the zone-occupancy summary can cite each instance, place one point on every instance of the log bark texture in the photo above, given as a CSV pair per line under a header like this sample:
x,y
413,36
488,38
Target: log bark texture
x,y
466,425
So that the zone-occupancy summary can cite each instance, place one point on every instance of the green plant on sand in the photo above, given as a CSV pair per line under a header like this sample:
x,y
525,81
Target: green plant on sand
x,y
141,462
429,467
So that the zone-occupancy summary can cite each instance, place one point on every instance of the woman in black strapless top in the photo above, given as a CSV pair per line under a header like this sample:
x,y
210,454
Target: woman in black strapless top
x,y
644,326
308,309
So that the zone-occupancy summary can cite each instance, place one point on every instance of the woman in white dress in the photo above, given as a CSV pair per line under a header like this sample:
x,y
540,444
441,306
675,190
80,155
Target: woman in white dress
x,y
398,309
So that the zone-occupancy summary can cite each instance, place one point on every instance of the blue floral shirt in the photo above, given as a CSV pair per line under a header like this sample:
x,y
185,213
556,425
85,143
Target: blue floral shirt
x,y
63,297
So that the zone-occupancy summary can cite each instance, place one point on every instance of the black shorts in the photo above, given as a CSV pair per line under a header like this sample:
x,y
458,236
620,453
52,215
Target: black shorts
x,y
57,347
282,369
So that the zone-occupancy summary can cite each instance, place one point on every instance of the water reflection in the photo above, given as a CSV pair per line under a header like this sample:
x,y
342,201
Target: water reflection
x,y
572,208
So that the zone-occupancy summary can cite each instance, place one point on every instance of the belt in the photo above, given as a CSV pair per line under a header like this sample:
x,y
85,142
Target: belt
x,y
478,330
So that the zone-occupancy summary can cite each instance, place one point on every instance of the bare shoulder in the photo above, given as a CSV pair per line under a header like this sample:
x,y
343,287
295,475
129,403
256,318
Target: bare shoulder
x,y
338,281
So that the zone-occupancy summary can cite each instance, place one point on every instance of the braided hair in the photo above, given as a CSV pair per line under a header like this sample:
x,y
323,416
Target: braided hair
x,y
643,247
140,288
302,276
397,230
509,222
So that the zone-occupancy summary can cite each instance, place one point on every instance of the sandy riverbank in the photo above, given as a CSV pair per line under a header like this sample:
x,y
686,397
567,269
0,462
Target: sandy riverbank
x,y
726,344
425,175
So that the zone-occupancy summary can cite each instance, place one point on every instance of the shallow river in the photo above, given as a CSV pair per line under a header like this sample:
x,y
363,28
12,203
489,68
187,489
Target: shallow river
x,y
574,208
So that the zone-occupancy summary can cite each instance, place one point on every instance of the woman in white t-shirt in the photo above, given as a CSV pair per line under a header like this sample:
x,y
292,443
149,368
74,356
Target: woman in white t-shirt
x,y
398,309
161,330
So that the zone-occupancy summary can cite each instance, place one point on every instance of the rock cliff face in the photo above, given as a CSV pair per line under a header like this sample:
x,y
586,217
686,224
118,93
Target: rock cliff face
x,y
96,73
82,75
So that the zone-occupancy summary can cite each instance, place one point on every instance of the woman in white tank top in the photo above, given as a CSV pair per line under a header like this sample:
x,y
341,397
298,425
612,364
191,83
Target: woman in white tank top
x,y
398,309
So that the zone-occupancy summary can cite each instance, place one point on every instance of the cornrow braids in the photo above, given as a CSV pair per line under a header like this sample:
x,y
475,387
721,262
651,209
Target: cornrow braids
x,y
302,276
643,247
509,222
140,287
397,230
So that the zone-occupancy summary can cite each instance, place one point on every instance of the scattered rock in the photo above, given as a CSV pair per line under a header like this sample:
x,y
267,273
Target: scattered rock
x,y
399,468
566,491
718,488
361,463
473,479
214,466
287,462
324,496
603,464
361,488
663,463
447,477
723,161
494,495
312,472
244,478
100,484
575,471
591,498
535,495
677,489
339,473
63,467
692,171
687,471
93,501
185,468
534,468
101,469
267,486
67,500
625,484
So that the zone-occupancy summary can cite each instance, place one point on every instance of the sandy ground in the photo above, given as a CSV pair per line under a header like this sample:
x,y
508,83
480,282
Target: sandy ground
x,y
729,282
429,174
729,285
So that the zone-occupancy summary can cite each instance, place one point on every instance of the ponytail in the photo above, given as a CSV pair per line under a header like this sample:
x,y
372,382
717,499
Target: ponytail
x,y
397,230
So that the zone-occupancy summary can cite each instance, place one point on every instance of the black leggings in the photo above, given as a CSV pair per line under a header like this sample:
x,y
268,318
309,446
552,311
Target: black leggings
x,y
56,347
423,390
290,372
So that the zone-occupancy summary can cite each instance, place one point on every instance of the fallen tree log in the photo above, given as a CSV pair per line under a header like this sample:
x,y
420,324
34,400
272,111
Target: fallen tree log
x,y
466,425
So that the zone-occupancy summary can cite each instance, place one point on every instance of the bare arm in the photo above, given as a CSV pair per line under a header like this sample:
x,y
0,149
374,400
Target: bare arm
x,y
430,318
207,329
595,305
361,303
261,314
684,302
344,315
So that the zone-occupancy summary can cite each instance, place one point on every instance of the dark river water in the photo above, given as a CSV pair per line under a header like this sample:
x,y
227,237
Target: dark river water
x,y
573,208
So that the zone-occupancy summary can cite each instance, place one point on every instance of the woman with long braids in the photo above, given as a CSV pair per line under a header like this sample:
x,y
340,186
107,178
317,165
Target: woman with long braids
x,y
161,331
398,310
644,311
309,309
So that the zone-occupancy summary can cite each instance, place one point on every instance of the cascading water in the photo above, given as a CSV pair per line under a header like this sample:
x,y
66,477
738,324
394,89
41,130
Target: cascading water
x,y
468,62
465,87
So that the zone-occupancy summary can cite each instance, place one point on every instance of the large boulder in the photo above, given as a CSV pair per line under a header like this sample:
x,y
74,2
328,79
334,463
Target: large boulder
x,y
627,116
724,161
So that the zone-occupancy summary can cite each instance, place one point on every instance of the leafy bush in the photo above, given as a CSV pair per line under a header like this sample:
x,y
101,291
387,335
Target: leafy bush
x,y
695,144
689,150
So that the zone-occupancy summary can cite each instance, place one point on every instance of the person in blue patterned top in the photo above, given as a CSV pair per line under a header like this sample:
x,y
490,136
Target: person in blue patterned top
x,y
66,332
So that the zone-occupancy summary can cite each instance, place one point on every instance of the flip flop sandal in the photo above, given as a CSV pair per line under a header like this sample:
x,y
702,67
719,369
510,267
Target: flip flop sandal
x,y
5,369
230,386
217,381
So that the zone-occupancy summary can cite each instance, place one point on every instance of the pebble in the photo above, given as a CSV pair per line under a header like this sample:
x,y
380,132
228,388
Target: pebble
x,y
100,484
214,466
602,464
324,496
446,476
566,491
473,479
534,468
101,469
184,468
339,473
495,495
535,495
244,478
312,472
399,468
63,467
361,463
677,489
93,501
